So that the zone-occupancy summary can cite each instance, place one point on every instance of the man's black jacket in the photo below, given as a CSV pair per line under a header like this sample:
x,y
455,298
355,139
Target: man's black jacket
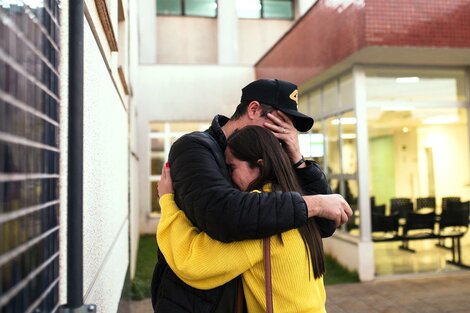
x,y
204,192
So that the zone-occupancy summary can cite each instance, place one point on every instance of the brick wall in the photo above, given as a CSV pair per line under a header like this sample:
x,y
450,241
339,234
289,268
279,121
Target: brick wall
x,y
333,30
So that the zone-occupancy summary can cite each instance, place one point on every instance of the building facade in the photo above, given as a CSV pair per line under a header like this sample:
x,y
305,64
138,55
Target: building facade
x,y
388,84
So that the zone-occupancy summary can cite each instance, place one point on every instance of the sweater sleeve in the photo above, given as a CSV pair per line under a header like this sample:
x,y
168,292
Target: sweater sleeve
x,y
196,258
205,193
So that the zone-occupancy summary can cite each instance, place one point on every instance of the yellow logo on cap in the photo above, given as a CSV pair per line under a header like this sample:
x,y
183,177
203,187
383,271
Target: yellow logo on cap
x,y
294,96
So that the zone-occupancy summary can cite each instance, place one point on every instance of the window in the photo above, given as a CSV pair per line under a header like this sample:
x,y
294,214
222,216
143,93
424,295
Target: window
x,y
204,8
417,121
162,136
266,9
341,161
421,152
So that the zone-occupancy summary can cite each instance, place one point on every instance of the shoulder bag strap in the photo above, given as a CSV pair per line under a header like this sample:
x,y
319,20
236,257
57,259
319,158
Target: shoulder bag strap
x,y
239,297
267,275
268,282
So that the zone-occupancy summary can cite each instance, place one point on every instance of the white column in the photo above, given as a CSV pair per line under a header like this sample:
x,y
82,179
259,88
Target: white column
x,y
304,5
366,248
227,32
147,31
468,106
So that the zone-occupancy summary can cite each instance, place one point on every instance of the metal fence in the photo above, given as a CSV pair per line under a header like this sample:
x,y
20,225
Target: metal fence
x,y
29,155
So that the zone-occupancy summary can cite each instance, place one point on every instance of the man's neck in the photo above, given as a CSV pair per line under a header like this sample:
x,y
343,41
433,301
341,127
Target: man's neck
x,y
231,126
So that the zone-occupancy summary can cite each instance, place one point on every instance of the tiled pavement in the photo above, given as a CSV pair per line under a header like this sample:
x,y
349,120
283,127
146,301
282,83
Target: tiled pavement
x,y
440,293
443,293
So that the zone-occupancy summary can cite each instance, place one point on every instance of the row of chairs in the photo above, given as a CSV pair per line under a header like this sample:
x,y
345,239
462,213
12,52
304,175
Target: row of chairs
x,y
452,223
404,205
453,220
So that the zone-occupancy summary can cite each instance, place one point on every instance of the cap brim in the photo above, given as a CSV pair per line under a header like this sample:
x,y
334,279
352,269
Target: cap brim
x,y
302,122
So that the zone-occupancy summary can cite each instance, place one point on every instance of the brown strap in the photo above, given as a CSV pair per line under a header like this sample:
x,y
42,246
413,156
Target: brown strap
x,y
239,299
267,275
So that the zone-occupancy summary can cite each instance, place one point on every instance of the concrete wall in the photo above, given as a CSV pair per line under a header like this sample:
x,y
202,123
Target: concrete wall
x,y
105,165
451,162
196,40
64,78
147,34
352,253
256,37
133,149
181,93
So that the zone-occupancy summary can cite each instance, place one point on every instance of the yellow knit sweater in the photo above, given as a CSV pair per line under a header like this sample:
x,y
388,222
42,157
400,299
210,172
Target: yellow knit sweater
x,y
205,263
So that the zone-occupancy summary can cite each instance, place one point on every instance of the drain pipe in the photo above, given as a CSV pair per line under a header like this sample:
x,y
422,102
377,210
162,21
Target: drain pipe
x,y
75,164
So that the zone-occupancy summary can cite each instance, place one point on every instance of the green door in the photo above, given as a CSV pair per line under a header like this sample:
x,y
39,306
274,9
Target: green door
x,y
382,166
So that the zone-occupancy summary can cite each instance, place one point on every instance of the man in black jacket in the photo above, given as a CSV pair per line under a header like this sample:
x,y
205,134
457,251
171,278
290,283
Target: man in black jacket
x,y
203,190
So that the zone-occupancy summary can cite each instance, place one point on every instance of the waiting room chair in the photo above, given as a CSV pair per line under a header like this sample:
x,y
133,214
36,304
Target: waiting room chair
x,y
378,209
418,226
351,223
446,201
454,220
401,205
426,203
384,227
454,224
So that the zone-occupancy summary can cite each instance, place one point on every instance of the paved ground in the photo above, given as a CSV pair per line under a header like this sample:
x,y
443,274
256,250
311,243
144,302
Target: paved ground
x,y
440,293
445,293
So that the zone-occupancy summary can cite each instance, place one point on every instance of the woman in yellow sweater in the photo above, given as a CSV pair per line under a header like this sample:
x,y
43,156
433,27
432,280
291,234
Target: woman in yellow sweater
x,y
258,162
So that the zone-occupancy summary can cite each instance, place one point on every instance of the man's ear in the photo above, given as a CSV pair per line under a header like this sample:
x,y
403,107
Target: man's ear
x,y
260,162
253,110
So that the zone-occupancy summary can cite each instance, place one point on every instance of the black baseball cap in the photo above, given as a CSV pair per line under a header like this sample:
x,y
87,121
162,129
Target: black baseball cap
x,y
281,95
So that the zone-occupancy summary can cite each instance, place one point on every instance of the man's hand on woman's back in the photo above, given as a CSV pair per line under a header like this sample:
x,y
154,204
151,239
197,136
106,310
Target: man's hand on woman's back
x,y
332,207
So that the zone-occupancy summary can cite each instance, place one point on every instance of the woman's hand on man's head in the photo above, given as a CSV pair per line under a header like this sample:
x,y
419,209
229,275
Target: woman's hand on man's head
x,y
165,185
283,128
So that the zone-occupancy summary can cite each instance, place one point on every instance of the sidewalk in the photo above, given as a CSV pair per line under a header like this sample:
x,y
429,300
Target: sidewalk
x,y
440,293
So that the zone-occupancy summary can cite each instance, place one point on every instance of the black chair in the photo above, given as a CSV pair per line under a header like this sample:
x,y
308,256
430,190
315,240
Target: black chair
x,y
401,205
351,223
453,205
378,209
418,226
426,203
372,201
454,220
448,203
447,200
384,227
453,224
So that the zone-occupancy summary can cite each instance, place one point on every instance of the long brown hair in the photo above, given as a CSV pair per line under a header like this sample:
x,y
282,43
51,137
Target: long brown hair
x,y
252,143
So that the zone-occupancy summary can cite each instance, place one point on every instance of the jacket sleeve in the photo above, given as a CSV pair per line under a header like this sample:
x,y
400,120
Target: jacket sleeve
x,y
212,204
313,181
196,258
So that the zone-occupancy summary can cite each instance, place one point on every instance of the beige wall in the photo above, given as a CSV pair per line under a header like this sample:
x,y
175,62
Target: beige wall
x,y
450,154
105,164
186,40
193,40
406,164
256,37
134,154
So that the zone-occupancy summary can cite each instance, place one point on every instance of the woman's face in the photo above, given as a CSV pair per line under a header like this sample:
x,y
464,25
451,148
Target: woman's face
x,y
242,173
